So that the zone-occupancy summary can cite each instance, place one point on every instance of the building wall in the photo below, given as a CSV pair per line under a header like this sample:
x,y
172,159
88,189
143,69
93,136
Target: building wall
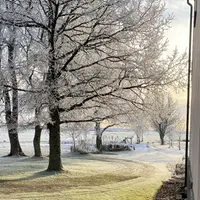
x,y
195,110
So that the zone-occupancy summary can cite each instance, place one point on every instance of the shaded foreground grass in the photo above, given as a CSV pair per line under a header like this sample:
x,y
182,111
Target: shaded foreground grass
x,y
85,179
170,189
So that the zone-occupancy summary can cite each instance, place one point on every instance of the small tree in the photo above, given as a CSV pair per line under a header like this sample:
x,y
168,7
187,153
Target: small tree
x,y
179,134
75,131
171,135
139,131
180,131
165,115
139,123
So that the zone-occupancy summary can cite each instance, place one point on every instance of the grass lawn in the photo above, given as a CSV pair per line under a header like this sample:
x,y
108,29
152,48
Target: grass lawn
x,y
86,178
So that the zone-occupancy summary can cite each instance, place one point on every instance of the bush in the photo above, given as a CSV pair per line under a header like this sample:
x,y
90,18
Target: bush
x,y
118,147
180,169
177,169
83,148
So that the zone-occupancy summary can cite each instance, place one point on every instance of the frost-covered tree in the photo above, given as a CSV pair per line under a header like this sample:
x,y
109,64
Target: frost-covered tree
x,y
171,135
34,103
110,113
165,115
75,131
9,81
138,121
176,133
180,131
141,125
96,51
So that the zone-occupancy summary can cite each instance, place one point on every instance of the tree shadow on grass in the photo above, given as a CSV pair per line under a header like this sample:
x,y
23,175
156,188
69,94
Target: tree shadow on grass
x,y
74,155
41,174
23,158
100,157
35,159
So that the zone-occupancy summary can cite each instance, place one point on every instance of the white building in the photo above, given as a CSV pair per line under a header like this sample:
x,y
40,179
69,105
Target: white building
x,y
193,185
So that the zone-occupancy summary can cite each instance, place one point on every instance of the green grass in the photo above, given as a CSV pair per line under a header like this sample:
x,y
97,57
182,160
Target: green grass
x,y
84,179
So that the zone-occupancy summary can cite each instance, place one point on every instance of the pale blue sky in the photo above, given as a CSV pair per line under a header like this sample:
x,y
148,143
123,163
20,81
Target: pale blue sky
x,y
178,34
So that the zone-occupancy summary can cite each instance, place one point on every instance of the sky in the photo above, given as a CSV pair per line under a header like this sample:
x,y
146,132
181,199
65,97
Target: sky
x,y
178,35
179,31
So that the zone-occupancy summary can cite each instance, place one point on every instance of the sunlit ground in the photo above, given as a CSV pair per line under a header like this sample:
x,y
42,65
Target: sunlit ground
x,y
86,178
134,175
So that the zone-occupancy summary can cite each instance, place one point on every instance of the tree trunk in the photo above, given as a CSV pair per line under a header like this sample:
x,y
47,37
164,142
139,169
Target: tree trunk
x,y
98,136
74,141
99,142
142,138
38,130
55,163
162,135
15,148
172,143
179,143
169,144
138,139
11,109
162,142
36,141
11,104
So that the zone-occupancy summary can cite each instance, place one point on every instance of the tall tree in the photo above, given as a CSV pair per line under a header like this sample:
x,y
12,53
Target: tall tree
x,y
11,94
